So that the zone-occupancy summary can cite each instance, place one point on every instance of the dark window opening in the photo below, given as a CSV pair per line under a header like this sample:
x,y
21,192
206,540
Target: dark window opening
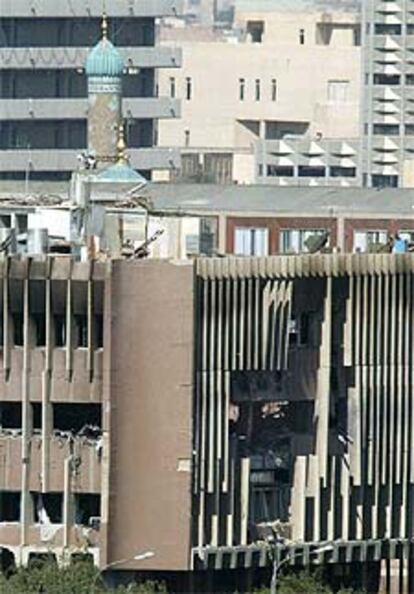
x,y
48,508
43,134
299,329
39,321
409,129
280,171
17,329
307,171
274,90
9,506
60,331
386,129
387,79
88,506
301,36
73,31
37,415
77,417
38,560
99,332
81,558
257,92
255,30
386,29
81,331
188,88
409,79
242,88
342,172
10,415
385,181
172,87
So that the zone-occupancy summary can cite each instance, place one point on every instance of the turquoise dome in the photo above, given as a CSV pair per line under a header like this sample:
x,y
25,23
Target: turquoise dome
x,y
104,60
121,173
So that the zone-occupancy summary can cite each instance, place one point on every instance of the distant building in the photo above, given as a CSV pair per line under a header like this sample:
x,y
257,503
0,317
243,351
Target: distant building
x,y
279,77
388,71
43,88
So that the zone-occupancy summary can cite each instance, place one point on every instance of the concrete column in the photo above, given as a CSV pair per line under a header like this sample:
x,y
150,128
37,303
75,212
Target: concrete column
x,y
26,511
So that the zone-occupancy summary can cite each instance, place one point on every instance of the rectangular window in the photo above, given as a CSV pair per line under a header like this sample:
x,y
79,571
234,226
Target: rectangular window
x,y
387,29
257,89
251,241
48,508
387,79
384,181
242,89
338,91
273,92
280,171
308,171
386,129
363,240
9,506
342,172
87,508
301,36
76,417
186,138
188,88
10,415
296,240
255,31
172,87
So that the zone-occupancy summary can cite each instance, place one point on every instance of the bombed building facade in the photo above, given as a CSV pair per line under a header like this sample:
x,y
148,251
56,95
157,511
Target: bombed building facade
x,y
268,404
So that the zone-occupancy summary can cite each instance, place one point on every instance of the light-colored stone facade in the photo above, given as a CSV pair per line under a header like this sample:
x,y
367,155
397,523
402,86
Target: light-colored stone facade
x,y
276,75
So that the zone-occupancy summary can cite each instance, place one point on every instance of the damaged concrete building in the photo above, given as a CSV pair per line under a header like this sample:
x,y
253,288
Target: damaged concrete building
x,y
210,412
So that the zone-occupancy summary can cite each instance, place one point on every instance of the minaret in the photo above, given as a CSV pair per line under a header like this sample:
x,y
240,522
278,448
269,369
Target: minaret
x,y
104,69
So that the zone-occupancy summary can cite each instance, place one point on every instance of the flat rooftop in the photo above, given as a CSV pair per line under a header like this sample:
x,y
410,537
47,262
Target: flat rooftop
x,y
242,200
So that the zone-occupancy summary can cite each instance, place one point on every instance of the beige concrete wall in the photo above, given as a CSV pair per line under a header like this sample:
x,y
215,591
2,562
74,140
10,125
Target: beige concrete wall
x,y
151,383
302,72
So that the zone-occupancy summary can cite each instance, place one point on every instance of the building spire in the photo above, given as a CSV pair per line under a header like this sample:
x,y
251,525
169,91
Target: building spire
x,y
104,26
121,146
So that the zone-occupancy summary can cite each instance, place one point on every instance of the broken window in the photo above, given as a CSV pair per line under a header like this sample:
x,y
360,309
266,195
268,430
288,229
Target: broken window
x,y
10,415
37,415
40,559
9,506
81,334
39,321
299,329
17,329
77,418
48,508
88,508
60,331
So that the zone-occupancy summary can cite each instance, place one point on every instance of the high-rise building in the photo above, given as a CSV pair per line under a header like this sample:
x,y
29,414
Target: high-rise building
x,y
43,86
388,107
